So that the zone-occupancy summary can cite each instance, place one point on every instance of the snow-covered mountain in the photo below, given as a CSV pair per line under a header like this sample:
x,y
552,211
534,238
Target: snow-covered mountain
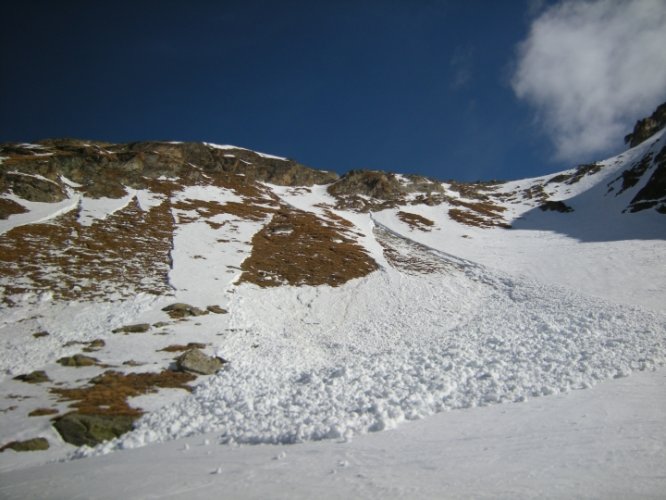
x,y
335,306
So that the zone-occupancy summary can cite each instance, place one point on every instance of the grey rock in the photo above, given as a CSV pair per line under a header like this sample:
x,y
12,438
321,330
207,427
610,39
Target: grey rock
x,y
196,361
138,328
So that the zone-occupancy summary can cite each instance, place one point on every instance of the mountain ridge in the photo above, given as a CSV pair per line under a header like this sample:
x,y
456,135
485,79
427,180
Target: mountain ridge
x,y
335,305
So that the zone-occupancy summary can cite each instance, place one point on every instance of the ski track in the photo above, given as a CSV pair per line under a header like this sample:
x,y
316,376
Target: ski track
x,y
328,363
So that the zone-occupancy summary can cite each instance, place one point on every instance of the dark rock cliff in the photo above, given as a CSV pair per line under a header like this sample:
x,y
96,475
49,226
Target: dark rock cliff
x,y
647,127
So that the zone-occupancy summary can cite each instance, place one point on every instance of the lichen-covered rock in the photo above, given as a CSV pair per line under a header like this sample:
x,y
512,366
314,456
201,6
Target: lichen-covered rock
x,y
78,360
33,188
216,309
36,377
196,361
181,310
138,328
81,429
34,444
376,184
94,345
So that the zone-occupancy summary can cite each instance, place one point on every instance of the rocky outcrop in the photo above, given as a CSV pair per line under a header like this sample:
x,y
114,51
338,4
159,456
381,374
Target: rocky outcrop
x,y
653,193
647,127
376,190
555,206
381,185
89,430
32,188
33,172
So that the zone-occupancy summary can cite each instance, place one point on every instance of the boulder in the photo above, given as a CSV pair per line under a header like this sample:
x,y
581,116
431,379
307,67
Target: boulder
x,y
216,309
82,429
78,360
196,361
36,377
34,444
181,310
138,328
555,206
95,345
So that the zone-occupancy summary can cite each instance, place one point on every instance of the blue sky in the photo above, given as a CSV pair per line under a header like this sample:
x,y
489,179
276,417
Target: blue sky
x,y
412,86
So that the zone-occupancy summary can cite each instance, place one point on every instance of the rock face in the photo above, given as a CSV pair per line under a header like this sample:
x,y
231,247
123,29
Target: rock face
x,y
647,126
79,429
365,190
196,361
653,193
33,188
104,169
382,185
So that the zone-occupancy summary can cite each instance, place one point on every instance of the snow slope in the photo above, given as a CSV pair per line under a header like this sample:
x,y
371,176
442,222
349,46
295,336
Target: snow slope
x,y
457,317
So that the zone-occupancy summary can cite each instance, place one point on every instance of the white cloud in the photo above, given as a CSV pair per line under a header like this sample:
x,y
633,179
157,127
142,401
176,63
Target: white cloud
x,y
591,68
